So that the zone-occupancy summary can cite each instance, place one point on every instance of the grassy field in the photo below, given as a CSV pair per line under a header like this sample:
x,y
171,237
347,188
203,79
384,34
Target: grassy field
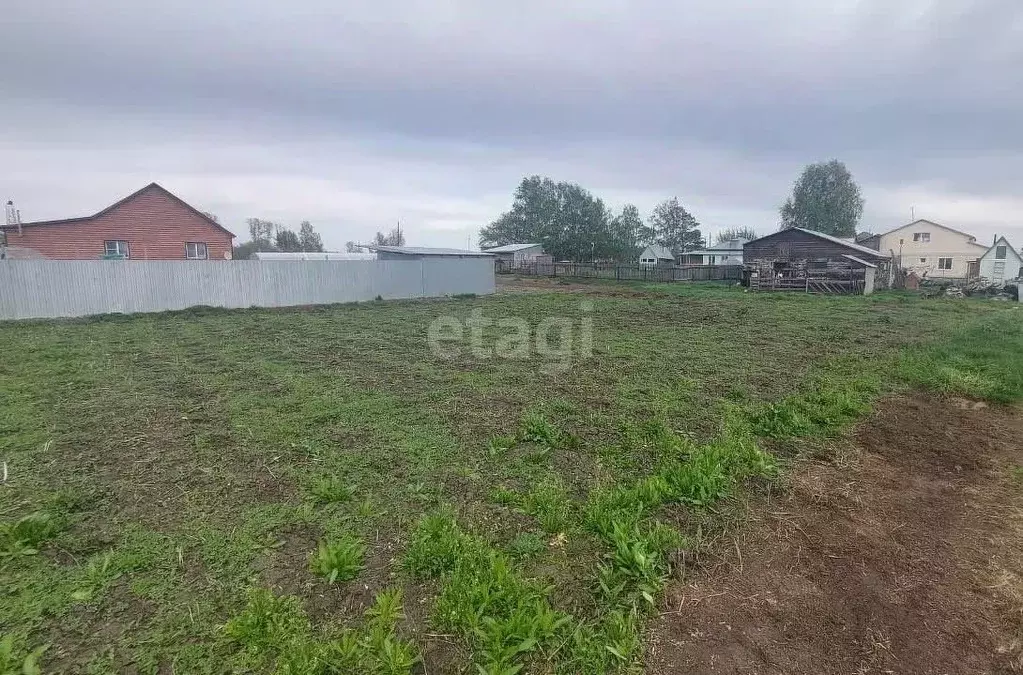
x,y
317,491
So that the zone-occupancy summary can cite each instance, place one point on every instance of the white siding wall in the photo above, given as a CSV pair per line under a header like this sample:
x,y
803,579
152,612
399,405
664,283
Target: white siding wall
x,y
50,288
922,256
1010,269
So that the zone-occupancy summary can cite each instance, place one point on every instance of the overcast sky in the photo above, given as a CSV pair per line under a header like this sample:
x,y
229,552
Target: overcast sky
x,y
354,115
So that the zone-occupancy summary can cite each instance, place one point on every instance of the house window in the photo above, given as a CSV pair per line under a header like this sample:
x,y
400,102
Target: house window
x,y
923,260
999,253
944,263
115,248
195,250
922,236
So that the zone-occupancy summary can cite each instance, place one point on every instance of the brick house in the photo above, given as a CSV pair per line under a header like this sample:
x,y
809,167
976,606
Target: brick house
x,y
151,224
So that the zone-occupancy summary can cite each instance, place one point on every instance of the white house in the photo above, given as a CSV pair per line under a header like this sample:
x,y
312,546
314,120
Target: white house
x,y
1001,262
655,254
516,255
723,253
931,250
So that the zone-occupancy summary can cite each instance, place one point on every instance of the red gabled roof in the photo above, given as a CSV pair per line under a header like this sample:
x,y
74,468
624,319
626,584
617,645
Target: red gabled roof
x,y
151,186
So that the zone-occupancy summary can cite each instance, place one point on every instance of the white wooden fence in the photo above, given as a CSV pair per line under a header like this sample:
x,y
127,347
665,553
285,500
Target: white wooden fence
x,y
50,288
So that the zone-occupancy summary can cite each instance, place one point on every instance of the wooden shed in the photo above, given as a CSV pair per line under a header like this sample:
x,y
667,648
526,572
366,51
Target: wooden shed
x,y
805,260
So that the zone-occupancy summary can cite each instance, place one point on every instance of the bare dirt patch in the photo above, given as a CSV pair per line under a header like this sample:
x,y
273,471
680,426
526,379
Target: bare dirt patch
x,y
904,558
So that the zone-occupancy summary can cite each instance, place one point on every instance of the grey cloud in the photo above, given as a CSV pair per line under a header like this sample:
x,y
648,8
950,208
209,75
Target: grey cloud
x,y
720,102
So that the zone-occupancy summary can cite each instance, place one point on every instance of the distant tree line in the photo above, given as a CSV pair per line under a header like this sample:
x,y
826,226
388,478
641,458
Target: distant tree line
x,y
573,224
266,235
393,238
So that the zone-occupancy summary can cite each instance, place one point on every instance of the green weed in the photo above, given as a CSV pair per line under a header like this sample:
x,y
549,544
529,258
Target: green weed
x,y
436,545
330,489
268,623
825,409
482,598
500,445
505,496
526,545
272,628
99,571
25,535
12,663
549,503
536,428
609,645
339,559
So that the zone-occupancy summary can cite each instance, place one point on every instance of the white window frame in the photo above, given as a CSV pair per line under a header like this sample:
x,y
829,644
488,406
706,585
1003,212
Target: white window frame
x,y
117,248
196,244
942,263
922,237
1001,252
923,260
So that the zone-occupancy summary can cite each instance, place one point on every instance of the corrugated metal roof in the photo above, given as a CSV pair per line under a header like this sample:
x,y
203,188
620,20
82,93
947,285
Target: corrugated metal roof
x,y
510,248
420,250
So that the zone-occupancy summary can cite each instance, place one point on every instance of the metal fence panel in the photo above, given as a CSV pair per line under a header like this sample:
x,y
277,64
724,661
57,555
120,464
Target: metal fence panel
x,y
49,288
665,273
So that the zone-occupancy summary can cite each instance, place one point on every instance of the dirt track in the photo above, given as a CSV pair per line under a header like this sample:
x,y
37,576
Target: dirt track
x,y
905,556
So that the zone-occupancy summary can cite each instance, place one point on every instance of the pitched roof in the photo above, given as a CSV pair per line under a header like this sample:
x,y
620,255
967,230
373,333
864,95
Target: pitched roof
x,y
661,252
928,222
729,246
1002,241
151,186
510,248
421,250
835,240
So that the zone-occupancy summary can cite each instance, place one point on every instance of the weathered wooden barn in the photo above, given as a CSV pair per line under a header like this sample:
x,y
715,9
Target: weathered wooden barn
x,y
805,260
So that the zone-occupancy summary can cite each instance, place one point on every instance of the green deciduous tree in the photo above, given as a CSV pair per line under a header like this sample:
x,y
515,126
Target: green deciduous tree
x,y
261,233
567,219
825,198
625,234
266,235
286,240
672,226
308,238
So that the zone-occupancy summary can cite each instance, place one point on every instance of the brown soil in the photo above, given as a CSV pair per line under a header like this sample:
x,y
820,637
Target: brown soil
x,y
904,555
